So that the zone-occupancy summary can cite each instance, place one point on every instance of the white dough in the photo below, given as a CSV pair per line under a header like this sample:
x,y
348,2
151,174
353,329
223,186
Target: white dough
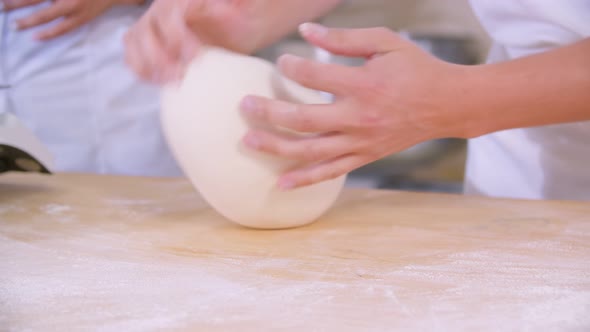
x,y
204,128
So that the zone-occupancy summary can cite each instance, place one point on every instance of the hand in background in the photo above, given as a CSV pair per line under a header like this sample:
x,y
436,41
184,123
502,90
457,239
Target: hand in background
x,y
74,14
170,34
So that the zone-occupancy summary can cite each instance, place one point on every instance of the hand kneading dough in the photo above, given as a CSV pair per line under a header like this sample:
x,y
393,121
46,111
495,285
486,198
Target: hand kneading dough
x,y
204,128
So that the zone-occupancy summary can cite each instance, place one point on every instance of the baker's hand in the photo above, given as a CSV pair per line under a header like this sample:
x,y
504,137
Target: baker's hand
x,y
74,13
399,98
161,44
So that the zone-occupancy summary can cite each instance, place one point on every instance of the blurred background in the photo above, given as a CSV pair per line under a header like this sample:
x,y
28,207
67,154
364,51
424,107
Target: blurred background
x,y
447,29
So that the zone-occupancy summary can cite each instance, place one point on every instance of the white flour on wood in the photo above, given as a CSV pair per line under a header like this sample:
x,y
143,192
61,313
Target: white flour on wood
x,y
150,265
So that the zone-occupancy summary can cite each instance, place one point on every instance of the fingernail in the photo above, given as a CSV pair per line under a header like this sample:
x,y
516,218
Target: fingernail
x,y
312,29
252,141
249,105
287,58
286,184
286,62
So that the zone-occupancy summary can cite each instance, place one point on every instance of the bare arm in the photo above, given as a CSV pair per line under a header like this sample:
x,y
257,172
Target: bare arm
x,y
248,25
282,17
403,96
548,88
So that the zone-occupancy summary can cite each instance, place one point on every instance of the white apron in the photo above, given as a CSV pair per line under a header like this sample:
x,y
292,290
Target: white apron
x,y
78,96
551,162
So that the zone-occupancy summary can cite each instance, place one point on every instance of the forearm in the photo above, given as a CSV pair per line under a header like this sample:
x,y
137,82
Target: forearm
x,y
279,18
548,88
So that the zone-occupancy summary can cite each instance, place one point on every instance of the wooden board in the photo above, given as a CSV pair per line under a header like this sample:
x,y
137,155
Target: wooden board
x,y
80,252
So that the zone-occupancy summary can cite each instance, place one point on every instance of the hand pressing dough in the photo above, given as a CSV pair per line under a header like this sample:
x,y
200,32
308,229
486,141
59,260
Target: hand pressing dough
x,y
204,128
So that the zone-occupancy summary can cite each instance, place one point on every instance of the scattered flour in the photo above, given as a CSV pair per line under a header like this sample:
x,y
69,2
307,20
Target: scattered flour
x,y
107,277
55,209
73,287
58,212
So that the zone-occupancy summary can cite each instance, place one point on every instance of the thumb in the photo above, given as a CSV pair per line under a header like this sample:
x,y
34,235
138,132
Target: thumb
x,y
363,43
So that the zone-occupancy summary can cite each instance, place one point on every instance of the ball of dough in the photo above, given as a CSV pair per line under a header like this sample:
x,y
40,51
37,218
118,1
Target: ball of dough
x,y
204,127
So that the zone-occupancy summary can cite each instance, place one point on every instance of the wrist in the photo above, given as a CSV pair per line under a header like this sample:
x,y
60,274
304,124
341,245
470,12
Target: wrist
x,y
468,104
452,114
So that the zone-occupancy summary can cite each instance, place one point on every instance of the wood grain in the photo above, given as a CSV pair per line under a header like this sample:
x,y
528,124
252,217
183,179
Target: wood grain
x,y
83,252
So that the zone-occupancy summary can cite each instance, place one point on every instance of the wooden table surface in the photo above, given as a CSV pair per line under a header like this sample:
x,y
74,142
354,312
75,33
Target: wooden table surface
x,y
80,252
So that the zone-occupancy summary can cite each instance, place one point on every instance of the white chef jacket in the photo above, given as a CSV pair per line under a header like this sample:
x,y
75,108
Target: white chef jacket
x,y
78,96
550,162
